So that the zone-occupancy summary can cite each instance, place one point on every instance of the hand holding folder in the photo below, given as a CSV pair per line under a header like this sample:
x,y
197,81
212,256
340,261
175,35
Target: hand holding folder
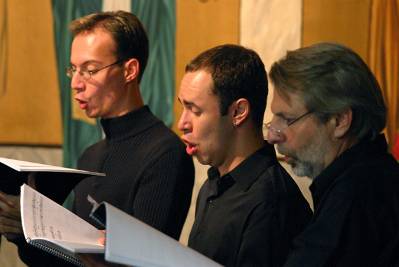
x,y
10,215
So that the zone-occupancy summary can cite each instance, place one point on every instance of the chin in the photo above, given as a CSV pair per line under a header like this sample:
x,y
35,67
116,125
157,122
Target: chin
x,y
202,160
92,115
301,172
305,169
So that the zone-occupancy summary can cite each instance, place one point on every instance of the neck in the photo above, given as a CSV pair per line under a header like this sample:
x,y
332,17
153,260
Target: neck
x,y
344,145
245,142
131,101
136,99
340,146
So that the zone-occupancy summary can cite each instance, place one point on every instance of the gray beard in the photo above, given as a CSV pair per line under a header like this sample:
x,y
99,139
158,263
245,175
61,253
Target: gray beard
x,y
301,168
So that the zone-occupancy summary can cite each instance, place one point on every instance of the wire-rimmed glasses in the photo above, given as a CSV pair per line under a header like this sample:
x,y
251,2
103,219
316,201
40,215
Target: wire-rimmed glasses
x,y
277,128
87,74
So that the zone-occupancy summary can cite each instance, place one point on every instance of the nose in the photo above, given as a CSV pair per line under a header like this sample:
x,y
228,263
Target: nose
x,y
274,137
184,122
77,82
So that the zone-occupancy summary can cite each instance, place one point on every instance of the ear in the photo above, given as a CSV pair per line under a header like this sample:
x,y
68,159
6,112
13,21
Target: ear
x,y
240,110
132,69
343,122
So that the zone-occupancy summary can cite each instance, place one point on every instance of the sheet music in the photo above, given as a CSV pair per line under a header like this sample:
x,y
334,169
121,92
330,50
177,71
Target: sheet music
x,y
42,218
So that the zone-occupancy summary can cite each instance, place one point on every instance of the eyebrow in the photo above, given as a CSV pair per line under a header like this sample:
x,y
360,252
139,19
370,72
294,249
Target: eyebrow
x,y
279,114
84,64
282,115
187,103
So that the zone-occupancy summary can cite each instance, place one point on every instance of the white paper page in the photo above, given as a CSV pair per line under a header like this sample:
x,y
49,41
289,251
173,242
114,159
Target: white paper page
x,y
43,218
26,166
130,241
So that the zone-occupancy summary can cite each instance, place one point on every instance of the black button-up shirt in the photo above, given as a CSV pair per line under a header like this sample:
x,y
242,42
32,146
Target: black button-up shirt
x,y
249,216
356,219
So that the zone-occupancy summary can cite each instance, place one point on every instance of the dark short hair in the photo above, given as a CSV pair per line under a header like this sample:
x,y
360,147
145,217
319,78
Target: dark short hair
x,y
237,72
332,78
126,30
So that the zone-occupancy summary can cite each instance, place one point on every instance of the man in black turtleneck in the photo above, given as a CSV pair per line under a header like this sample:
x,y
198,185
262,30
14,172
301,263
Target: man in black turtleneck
x,y
148,173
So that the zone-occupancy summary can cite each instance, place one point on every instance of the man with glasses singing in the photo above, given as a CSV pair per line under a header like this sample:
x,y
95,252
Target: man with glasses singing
x,y
148,173
328,116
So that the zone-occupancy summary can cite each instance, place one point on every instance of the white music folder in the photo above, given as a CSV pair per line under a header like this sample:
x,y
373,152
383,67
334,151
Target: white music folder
x,y
132,242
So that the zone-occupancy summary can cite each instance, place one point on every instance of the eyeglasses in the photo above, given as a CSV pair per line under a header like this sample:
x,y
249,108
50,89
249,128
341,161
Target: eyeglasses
x,y
279,127
87,74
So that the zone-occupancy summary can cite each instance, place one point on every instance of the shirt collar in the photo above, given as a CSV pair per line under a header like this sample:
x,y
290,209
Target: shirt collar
x,y
246,173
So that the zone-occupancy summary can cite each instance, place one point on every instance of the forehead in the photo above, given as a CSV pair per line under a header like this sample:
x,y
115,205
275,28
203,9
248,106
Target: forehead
x,y
96,45
287,103
197,86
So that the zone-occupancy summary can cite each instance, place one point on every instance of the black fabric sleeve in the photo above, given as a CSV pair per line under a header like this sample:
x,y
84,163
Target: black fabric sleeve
x,y
261,249
316,244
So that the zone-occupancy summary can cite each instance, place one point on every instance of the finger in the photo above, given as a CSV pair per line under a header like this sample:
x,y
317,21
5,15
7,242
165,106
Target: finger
x,y
32,180
13,214
6,210
10,230
11,222
10,226
7,199
101,240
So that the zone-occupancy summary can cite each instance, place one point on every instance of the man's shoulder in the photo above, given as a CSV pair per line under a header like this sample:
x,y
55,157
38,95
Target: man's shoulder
x,y
371,172
276,179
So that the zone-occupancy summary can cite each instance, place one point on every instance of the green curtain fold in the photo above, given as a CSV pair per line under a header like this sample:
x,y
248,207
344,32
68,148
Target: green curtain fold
x,y
158,83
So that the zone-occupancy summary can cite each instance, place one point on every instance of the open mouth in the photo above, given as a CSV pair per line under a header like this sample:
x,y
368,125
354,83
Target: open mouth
x,y
82,104
190,147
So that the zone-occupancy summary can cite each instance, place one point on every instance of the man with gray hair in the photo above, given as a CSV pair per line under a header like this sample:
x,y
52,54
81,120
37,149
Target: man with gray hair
x,y
328,116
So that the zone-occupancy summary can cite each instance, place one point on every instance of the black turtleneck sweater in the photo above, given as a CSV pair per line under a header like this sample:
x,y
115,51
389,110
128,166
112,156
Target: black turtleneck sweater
x,y
148,173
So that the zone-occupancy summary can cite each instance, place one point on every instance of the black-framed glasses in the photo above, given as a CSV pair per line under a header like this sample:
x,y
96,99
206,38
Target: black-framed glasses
x,y
278,127
87,74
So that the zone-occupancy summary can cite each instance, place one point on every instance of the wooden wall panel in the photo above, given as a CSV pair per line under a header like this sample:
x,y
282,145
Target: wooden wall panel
x,y
30,103
202,24
342,21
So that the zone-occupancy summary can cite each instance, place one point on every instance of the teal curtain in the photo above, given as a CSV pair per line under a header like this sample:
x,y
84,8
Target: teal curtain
x,y
78,135
158,83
